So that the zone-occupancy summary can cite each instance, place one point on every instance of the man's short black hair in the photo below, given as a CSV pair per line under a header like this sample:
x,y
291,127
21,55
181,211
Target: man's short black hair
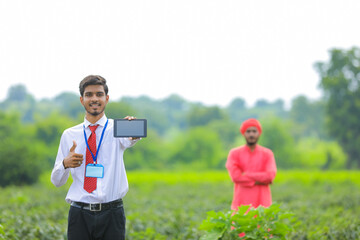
x,y
93,80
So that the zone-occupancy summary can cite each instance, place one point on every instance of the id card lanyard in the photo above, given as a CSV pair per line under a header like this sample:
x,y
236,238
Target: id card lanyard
x,y
101,138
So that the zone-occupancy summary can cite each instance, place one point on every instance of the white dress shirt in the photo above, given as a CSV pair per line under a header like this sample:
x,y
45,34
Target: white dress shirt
x,y
114,184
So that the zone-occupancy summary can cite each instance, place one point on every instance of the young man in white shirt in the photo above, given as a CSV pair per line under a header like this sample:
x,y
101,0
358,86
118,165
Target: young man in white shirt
x,y
96,210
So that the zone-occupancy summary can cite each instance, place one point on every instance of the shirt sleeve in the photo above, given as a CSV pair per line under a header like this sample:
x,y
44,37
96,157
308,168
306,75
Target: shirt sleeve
x,y
127,142
59,174
236,173
266,176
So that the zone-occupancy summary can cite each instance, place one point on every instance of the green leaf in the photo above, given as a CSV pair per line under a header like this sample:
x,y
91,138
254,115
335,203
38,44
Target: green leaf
x,y
2,229
286,216
213,235
212,214
243,209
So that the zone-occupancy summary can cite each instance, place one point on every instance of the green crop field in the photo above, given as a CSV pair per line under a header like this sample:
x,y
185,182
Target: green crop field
x,y
172,205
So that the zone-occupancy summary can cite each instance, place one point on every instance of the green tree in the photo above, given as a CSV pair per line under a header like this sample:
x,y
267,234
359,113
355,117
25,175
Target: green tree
x,y
236,109
340,81
17,93
276,135
309,117
21,157
20,101
174,102
317,154
265,108
148,153
119,110
48,131
151,110
199,147
262,109
227,132
69,103
201,116
175,107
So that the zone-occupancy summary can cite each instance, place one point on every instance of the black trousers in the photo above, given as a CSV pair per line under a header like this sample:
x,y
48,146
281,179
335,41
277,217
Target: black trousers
x,y
108,224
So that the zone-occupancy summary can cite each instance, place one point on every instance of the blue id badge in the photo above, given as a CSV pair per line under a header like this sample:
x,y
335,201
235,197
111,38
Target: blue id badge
x,y
94,170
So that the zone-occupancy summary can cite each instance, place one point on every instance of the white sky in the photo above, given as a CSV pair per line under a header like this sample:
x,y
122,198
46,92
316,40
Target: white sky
x,y
204,50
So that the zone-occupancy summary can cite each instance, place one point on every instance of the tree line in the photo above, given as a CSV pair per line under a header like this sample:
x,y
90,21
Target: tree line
x,y
312,134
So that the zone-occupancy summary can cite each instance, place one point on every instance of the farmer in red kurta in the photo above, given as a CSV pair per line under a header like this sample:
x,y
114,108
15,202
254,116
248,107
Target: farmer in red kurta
x,y
252,168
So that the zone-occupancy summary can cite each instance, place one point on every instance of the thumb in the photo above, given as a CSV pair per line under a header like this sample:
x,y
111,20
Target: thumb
x,y
72,149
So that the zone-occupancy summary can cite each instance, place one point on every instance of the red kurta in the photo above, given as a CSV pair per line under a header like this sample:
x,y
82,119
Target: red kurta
x,y
247,167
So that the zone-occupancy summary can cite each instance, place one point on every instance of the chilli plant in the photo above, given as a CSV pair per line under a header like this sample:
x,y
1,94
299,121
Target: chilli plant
x,y
248,223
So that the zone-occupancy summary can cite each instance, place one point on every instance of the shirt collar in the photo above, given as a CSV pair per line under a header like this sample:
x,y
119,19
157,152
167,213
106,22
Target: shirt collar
x,y
255,149
101,122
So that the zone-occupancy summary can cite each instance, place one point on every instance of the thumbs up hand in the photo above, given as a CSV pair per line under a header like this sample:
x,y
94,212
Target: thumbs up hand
x,y
73,160
72,149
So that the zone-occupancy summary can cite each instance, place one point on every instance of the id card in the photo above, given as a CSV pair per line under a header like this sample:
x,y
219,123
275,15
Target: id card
x,y
94,170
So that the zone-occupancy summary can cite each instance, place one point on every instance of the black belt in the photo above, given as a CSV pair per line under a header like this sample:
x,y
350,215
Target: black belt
x,y
98,206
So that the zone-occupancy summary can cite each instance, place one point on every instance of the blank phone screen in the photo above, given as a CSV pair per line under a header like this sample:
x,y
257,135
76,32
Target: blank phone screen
x,y
133,128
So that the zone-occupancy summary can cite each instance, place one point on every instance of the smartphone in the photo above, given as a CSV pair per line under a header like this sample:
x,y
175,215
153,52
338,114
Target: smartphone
x,y
130,128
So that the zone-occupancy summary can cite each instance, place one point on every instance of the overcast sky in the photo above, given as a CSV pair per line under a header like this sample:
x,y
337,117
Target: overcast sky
x,y
203,50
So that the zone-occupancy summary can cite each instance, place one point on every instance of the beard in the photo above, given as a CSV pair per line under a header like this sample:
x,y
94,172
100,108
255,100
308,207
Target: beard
x,y
94,113
251,141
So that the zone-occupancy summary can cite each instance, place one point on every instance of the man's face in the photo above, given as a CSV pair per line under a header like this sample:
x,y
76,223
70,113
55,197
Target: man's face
x,y
251,135
94,99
